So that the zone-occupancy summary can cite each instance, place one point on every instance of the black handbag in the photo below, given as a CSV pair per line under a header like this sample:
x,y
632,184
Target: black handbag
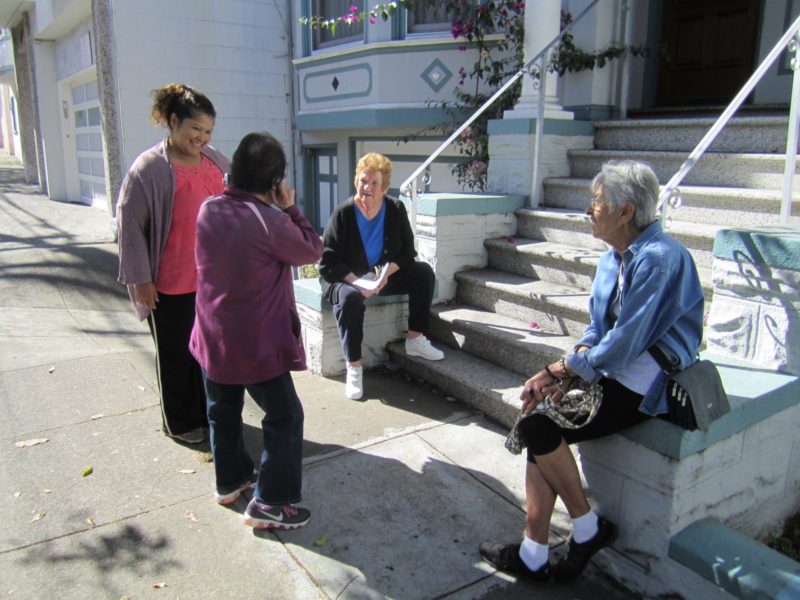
x,y
695,396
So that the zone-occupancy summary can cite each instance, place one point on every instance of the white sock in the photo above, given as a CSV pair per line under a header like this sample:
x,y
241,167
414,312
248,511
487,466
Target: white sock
x,y
584,527
533,554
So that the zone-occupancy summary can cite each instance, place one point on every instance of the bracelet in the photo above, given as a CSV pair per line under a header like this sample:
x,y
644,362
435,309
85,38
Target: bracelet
x,y
557,380
563,362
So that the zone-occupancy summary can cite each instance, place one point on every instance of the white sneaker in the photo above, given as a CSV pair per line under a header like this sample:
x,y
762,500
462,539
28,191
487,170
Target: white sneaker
x,y
422,347
354,385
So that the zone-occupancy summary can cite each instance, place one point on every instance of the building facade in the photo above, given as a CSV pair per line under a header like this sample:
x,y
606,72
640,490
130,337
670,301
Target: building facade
x,y
84,70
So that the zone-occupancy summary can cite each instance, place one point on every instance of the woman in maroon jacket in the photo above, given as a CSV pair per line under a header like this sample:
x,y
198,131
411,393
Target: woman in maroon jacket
x,y
247,332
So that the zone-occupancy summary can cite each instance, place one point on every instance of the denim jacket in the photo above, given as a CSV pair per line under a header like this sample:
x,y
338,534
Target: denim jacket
x,y
662,304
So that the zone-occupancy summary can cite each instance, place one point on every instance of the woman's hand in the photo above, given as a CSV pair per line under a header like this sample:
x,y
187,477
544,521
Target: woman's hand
x,y
145,294
283,197
541,385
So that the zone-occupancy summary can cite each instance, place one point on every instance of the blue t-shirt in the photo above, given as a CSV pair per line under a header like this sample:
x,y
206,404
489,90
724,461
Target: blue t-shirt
x,y
372,234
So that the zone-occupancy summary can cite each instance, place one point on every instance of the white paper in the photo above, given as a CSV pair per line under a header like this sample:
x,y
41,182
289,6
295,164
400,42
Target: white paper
x,y
367,283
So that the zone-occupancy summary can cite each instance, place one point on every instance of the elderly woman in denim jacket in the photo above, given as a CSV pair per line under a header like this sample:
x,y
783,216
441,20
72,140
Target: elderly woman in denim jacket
x,y
646,294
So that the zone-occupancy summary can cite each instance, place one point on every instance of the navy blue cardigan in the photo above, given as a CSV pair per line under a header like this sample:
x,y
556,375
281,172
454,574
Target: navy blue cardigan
x,y
344,251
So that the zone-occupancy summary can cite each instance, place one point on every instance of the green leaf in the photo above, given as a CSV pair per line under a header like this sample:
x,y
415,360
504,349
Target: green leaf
x,y
322,541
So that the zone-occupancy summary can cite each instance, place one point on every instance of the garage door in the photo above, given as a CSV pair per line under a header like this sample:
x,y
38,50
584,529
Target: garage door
x,y
89,143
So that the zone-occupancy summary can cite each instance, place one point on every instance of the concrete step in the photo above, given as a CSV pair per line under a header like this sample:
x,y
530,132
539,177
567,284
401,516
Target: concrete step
x,y
701,204
540,259
762,135
758,171
554,308
571,227
490,389
498,339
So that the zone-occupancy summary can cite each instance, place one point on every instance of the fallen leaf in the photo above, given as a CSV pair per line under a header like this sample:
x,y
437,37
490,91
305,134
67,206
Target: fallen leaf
x,y
17,494
191,516
187,471
33,442
159,585
51,369
322,541
38,516
90,521
95,417
46,491
88,471
510,240
141,387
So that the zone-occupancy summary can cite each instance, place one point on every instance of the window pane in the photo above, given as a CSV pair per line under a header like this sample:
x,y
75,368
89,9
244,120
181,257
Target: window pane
x,y
78,95
86,189
98,170
345,33
84,165
94,116
82,140
96,142
91,91
426,17
80,118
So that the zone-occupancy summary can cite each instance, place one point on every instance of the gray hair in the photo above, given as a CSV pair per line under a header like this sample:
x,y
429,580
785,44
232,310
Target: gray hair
x,y
630,181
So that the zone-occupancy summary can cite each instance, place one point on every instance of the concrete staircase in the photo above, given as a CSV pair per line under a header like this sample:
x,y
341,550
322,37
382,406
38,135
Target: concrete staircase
x,y
529,305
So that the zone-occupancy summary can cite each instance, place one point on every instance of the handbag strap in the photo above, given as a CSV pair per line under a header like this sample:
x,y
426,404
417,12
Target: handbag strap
x,y
256,212
661,358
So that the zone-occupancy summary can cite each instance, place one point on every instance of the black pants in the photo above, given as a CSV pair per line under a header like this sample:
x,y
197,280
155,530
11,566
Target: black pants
x,y
417,281
180,380
618,410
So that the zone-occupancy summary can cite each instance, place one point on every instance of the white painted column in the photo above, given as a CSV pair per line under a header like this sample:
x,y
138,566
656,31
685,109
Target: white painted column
x,y
542,24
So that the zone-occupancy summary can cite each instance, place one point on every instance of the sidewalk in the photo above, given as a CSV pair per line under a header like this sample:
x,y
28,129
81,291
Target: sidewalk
x,y
402,486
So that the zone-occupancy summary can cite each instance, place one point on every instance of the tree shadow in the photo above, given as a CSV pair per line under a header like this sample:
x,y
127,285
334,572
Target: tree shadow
x,y
126,548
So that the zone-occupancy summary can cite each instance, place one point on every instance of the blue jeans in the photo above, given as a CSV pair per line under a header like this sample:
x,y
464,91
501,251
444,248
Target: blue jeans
x,y
279,475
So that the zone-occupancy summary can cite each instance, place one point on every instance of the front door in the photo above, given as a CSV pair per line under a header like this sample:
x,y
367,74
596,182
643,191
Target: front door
x,y
711,49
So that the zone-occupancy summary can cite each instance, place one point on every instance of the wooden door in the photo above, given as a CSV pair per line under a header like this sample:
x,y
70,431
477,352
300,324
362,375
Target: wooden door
x,y
711,49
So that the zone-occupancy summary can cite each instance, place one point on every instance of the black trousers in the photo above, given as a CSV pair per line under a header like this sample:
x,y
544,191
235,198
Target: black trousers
x,y
180,380
618,410
417,281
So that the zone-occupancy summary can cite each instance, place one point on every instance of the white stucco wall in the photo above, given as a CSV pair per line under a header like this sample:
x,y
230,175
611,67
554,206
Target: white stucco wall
x,y
235,52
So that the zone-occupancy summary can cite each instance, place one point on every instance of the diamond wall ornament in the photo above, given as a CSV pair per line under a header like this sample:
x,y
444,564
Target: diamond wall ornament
x,y
335,83
436,75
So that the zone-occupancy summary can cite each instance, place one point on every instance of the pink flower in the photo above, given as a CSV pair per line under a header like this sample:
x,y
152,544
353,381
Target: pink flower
x,y
462,48
373,20
353,8
510,240
534,325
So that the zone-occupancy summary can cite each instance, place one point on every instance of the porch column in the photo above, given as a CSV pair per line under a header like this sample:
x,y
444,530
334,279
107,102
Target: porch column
x,y
542,24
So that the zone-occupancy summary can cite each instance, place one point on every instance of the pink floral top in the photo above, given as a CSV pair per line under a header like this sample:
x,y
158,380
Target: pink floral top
x,y
177,271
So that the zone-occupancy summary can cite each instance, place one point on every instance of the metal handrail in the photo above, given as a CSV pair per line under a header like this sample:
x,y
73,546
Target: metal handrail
x,y
670,196
409,186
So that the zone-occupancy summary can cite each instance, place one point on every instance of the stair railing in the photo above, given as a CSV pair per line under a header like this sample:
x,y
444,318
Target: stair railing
x,y
671,198
409,187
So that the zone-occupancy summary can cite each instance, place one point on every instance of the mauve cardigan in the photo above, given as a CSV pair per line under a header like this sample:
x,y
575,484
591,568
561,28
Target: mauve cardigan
x,y
144,215
247,329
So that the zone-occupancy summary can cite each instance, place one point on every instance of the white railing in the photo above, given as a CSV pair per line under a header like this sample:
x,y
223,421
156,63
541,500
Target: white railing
x,y
409,187
671,198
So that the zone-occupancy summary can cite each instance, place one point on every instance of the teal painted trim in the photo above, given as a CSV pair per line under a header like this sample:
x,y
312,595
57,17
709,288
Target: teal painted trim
x,y
372,117
399,47
777,246
305,32
735,562
446,73
399,21
308,292
445,204
319,74
551,127
755,395
593,112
